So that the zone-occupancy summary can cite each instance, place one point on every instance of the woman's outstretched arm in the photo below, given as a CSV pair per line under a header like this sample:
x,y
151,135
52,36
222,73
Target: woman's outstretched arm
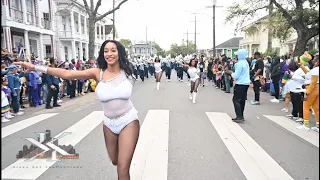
x,y
62,73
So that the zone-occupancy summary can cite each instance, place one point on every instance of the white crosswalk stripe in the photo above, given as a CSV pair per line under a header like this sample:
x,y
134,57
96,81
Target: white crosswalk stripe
x,y
151,157
78,132
310,136
13,128
254,162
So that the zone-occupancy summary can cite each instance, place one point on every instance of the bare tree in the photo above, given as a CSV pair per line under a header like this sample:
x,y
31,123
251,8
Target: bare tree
x,y
93,18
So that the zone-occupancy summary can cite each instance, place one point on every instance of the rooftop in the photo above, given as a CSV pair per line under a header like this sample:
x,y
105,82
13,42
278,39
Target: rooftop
x,y
231,43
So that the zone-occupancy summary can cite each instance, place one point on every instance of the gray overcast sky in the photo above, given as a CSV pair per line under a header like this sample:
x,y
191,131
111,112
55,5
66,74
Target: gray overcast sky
x,y
168,20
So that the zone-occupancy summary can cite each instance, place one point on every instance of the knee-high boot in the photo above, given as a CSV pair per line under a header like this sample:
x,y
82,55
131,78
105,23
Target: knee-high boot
x,y
194,97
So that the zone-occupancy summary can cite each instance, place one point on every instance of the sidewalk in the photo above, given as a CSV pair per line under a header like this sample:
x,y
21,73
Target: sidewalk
x,y
65,102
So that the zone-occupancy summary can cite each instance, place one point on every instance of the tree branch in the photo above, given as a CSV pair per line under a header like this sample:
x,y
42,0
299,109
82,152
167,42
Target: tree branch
x,y
86,6
283,11
91,7
97,7
111,11
313,32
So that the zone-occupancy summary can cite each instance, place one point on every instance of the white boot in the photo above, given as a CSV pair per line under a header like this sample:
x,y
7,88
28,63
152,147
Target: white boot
x,y
194,98
190,96
158,85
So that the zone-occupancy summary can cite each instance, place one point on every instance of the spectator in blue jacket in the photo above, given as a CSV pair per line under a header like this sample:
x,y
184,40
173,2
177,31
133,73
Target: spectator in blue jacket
x,y
14,85
53,87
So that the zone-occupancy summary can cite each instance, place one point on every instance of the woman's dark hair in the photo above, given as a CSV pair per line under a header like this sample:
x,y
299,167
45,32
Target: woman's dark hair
x,y
195,61
293,65
156,59
123,61
51,60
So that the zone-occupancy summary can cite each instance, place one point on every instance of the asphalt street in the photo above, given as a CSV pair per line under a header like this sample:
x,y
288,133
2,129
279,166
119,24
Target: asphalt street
x,y
178,141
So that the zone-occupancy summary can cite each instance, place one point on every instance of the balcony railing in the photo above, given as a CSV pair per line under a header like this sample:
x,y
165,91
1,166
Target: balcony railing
x,y
16,15
65,34
31,19
46,23
250,40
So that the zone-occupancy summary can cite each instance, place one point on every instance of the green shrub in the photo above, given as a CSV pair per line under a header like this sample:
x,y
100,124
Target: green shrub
x,y
313,51
269,53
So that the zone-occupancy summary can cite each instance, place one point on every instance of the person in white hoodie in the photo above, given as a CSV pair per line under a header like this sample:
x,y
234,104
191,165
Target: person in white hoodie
x,y
297,94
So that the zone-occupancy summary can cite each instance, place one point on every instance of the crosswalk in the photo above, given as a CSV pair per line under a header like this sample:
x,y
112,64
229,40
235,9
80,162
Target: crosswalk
x,y
151,158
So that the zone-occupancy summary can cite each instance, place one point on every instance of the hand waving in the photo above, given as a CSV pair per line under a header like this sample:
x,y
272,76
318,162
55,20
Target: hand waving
x,y
26,65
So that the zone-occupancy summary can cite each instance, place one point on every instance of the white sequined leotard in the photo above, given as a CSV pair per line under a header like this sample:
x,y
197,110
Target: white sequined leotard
x,y
115,97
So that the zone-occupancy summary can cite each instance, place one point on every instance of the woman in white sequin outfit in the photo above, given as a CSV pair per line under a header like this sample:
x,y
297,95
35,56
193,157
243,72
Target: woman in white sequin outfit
x,y
121,125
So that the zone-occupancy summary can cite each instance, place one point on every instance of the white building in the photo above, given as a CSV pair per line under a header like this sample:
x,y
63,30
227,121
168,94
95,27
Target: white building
x,y
26,22
72,31
142,49
259,40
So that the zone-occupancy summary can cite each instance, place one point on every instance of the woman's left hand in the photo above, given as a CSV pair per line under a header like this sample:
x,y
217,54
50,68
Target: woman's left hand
x,y
26,65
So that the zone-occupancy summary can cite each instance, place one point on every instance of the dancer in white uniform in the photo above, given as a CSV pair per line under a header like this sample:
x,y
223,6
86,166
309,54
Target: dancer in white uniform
x,y
158,71
121,125
194,77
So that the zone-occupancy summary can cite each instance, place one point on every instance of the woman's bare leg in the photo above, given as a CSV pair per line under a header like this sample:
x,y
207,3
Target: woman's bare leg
x,y
196,85
192,86
128,139
159,75
111,140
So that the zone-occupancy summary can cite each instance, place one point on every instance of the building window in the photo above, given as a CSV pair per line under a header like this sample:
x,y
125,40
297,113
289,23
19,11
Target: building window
x,y
48,51
77,25
65,53
46,16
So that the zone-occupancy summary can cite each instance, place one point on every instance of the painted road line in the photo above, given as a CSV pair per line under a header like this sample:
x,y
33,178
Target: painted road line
x,y
77,132
310,136
13,128
253,161
150,160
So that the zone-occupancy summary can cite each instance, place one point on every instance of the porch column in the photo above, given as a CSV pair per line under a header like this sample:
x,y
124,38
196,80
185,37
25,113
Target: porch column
x,y
80,51
73,44
7,38
87,51
79,25
53,46
26,42
100,34
24,11
51,14
6,9
250,50
41,54
72,24
85,28
104,32
95,31
96,54
38,14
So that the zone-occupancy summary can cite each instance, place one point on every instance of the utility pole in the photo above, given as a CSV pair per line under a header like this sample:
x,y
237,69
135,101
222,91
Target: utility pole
x,y
187,38
214,6
113,21
195,32
146,34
